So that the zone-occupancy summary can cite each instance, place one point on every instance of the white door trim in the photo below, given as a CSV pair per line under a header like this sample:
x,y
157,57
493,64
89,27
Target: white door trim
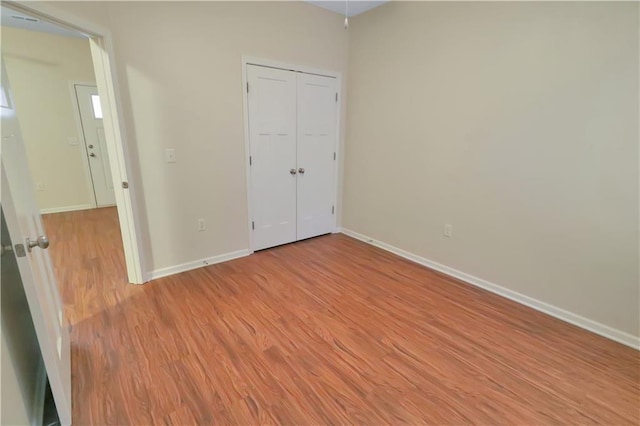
x,y
250,60
80,136
102,53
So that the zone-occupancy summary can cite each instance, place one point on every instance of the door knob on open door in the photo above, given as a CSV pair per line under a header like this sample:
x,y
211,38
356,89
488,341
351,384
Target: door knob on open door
x,y
301,170
92,155
292,171
42,241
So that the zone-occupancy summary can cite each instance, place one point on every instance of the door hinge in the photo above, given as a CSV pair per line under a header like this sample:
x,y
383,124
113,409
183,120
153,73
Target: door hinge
x,y
125,184
336,96
333,209
253,225
247,87
250,161
334,156
5,249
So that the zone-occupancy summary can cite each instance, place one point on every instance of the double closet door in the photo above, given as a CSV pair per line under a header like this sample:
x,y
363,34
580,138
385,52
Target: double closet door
x,y
293,138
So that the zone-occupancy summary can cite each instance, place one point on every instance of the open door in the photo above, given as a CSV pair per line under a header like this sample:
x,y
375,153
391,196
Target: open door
x,y
29,246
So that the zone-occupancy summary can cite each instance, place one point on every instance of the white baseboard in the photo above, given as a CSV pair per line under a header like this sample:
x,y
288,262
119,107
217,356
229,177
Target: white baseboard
x,y
38,399
582,322
171,270
67,209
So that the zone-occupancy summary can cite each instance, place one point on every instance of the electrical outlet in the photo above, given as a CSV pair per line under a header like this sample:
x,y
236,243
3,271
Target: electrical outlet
x,y
170,155
448,230
201,225
40,186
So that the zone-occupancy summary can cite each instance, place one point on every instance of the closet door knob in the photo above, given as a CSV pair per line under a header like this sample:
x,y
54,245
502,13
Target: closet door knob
x,y
301,170
292,171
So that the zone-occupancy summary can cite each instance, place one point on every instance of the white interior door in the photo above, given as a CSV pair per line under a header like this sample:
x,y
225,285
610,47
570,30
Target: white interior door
x,y
24,221
272,137
317,137
96,148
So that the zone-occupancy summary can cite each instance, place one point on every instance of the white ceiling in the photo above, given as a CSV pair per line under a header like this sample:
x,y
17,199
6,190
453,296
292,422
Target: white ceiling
x,y
11,18
356,7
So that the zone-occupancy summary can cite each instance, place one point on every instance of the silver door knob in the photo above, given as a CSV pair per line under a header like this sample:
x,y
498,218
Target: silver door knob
x,y
92,155
42,241
292,171
301,170
90,146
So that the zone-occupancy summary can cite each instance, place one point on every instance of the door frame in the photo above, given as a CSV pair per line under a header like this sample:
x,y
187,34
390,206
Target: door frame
x,y
250,60
81,140
103,57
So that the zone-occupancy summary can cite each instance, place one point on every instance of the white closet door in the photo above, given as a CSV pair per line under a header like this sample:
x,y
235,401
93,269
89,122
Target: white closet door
x,y
317,109
272,136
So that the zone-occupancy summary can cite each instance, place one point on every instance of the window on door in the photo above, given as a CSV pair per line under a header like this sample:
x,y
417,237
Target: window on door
x,y
97,108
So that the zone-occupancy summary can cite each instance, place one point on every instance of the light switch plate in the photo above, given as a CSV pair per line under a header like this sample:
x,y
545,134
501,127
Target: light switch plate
x,y
170,155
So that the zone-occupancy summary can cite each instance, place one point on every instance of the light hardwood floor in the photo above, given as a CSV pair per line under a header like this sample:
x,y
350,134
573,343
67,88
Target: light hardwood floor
x,y
325,331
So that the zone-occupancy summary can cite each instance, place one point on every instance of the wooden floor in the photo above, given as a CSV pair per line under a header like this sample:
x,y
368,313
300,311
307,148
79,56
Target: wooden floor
x,y
88,258
328,330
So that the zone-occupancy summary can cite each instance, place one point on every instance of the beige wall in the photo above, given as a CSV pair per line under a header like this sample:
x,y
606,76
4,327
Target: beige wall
x,y
39,67
179,72
517,122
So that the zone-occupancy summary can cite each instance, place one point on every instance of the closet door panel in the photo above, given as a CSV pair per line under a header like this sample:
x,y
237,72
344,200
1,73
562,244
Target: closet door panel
x,y
272,136
317,109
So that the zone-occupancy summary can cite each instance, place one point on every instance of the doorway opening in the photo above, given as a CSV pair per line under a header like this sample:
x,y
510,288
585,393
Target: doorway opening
x,y
69,176
62,125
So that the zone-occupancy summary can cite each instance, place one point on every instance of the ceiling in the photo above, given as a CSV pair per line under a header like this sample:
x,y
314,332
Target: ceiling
x,y
11,18
356,7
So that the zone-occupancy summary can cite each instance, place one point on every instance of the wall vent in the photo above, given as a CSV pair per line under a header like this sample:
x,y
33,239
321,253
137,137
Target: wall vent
x,y
25,18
